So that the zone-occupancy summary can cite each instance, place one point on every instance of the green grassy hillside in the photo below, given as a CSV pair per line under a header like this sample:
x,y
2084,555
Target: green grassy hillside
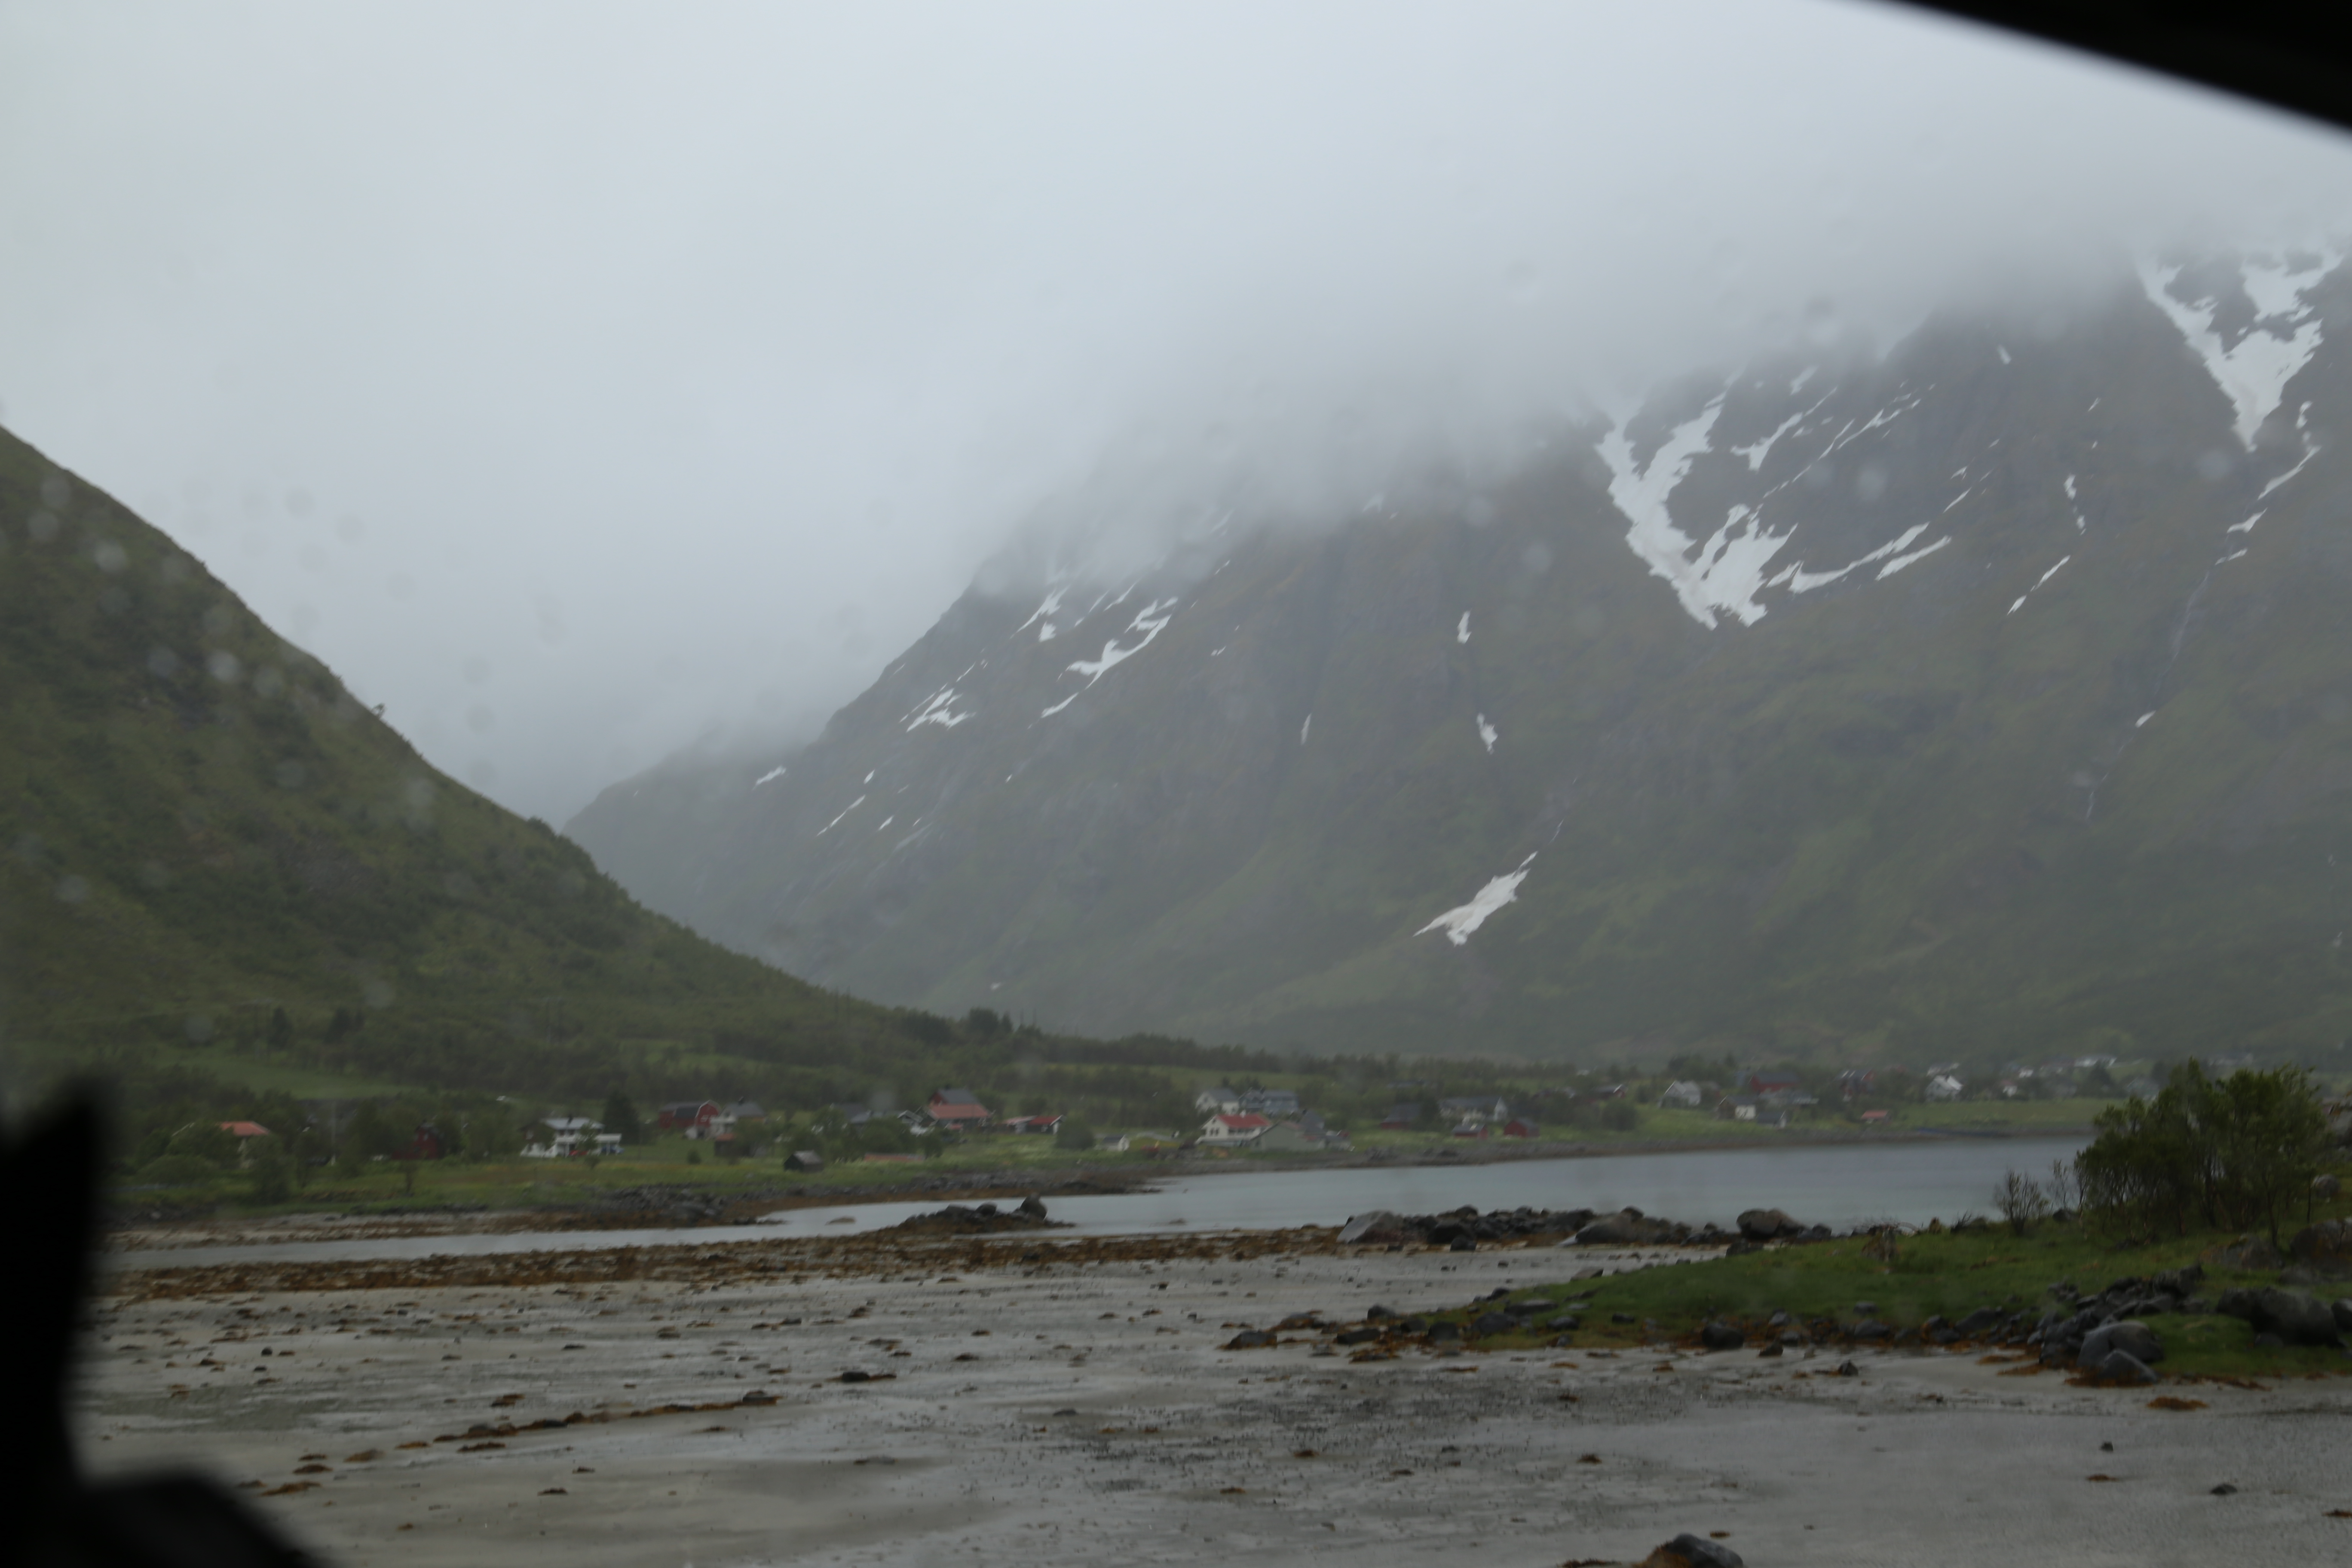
x,y
217,860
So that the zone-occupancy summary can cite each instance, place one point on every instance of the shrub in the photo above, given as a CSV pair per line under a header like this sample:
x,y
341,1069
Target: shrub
x,y
269,1171
175,1171
1074,1134
2021,1200
2236,1152
208,1142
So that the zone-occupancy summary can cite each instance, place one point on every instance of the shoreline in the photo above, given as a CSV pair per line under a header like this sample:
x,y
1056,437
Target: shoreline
x,y
686,1207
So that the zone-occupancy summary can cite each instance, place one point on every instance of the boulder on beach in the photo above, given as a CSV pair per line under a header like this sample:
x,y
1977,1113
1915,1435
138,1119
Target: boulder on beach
x,y
2295,1317
1720,1335
1694,1551
2121,1366
2326,1246
1381,1227
2136,1339
1627,1227
985,1218
1767,1225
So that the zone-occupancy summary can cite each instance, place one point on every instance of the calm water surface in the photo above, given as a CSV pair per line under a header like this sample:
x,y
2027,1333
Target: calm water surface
x,y
1837,1185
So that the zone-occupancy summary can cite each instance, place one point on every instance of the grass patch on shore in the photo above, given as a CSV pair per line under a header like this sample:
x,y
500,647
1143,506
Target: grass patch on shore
x,y
1949,1275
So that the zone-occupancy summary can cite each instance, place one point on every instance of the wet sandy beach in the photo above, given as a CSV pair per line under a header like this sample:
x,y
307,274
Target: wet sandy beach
x,y
1020,1398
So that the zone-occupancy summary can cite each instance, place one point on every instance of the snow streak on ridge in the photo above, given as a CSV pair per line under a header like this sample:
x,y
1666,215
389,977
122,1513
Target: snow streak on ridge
x,y
2254,372
1457,923
1729,570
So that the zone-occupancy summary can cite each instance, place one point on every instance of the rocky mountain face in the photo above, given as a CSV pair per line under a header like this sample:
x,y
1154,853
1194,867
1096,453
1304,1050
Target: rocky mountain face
x,y
1993,695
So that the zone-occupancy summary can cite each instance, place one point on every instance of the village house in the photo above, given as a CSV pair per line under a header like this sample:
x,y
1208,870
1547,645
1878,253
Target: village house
x,y
1736,1107
1400,1118
1275,1103
1044,1121
683,1115
245,1132
1682,1095
1945,1087
1232,1131
425,1143
957,1108
567,1135
1216,1099
743,1110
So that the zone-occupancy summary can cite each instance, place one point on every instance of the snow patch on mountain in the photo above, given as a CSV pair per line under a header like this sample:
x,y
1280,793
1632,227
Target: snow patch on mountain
x,y
1487,733
1921,553
2037,582
2253,371
845,810
1052,605
771,776
1728,570
1457,923
1800,580
1150,620
1756,454
1461,632
940,709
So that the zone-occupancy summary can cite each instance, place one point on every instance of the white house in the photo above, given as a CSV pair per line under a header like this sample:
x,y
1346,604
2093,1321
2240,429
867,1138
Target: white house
x,y
568,1132
1944,1086
1227,1131
1684,1094
1219,1098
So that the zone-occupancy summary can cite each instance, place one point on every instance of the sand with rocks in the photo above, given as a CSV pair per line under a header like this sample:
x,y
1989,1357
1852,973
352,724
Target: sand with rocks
x,y
1028,1399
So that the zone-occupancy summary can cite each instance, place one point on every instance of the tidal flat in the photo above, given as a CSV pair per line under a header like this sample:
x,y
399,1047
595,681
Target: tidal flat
x,y
901,1398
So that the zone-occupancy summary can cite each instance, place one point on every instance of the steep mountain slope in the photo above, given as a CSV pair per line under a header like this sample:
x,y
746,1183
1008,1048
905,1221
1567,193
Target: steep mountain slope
x,y
202,827
1989,696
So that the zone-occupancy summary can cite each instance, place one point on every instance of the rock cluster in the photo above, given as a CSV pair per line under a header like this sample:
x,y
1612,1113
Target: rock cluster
x,y
986,1218
1462,1229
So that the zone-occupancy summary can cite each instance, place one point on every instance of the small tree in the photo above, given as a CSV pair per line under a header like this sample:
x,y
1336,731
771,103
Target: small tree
x,y
280,1034
2021,1200
269,1171
621,1117
206,1140
1074,1135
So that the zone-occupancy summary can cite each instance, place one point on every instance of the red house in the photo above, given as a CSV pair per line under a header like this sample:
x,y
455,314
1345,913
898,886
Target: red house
x,y
685,1114
426,1144
957,1107
1041,1123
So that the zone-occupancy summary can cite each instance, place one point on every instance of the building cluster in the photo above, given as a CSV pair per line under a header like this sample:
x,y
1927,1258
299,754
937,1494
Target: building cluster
x,y
1263,1120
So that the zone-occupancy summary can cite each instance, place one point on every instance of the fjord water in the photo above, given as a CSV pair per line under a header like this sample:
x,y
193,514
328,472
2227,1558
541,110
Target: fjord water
x,y
1839,1186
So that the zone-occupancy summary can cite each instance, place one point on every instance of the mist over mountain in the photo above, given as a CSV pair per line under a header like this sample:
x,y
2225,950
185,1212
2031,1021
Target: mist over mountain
x,y
1989,695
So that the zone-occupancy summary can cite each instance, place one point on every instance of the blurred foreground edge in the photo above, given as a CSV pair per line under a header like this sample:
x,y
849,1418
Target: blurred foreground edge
x,y
2288,56
54,1516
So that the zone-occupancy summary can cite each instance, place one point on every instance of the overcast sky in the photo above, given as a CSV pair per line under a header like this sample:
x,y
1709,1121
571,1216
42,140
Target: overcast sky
x,y
577,377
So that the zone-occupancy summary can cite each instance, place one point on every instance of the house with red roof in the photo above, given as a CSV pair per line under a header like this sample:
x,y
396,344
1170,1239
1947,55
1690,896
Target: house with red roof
x,y
1232,1131
957,1108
